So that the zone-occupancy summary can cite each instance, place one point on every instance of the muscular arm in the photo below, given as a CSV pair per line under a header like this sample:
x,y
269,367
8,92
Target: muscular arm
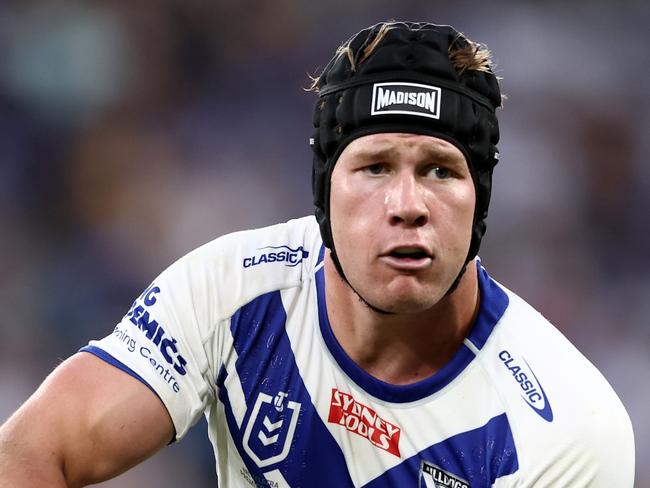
x,y
86,423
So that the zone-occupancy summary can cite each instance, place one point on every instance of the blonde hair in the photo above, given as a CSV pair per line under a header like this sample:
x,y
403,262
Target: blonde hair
x,y
469,55
367,51
464,54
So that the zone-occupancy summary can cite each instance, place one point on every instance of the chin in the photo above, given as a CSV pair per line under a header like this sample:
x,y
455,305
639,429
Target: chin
x,y
407,303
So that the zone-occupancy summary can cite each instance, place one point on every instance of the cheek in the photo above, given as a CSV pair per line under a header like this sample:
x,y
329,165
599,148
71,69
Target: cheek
x,y
467,204
348,205
353,218
452,216
463,200
462,213
349,219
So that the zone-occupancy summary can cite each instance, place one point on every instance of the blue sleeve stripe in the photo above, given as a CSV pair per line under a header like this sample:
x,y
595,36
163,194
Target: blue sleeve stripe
x,y
101,354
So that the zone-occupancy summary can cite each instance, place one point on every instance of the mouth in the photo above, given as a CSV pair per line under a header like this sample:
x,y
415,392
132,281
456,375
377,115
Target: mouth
x,y
409,252
411,258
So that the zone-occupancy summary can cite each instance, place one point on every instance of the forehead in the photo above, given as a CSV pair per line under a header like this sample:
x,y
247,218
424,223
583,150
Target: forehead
x,y
400,144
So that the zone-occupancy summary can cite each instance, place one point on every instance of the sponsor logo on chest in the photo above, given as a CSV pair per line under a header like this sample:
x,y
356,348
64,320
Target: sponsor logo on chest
x,y
364,421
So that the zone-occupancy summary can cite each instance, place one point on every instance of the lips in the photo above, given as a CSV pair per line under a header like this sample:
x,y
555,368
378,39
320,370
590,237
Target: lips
x,y
411,257
412,252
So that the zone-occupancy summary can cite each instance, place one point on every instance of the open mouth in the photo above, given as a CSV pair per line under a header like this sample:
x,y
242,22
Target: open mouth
x,y
409,253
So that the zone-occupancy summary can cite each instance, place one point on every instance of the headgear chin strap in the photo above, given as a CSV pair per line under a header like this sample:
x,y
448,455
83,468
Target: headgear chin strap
x,y
406,84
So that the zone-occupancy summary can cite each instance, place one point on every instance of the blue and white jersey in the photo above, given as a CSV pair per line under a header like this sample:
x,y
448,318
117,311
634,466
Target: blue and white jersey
x,y
238,331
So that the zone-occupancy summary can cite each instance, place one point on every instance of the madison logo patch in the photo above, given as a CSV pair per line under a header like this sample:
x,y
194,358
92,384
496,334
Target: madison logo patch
x,y
431,476
364,421
406,99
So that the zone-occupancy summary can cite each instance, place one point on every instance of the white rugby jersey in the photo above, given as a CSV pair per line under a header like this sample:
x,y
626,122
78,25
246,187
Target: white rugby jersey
x,y
238,330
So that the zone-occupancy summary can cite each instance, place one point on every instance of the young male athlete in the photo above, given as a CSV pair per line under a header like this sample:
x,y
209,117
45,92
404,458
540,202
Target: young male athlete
x,y
366,347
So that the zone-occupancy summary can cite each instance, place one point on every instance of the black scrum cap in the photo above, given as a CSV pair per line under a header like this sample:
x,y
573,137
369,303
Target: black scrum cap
x,y
406,84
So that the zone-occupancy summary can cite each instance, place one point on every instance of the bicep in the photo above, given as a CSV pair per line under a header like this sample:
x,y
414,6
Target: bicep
x,y
98,419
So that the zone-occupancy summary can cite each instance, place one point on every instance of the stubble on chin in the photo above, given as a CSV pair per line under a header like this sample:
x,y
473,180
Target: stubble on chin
x,y
401,301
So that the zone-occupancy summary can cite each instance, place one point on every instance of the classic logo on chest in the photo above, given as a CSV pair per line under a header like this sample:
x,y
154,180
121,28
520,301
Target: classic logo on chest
x,y
364,421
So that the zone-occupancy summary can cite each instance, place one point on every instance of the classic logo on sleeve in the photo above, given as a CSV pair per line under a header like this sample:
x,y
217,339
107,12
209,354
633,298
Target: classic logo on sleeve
x,y
406,99
277,254
532,392
364,421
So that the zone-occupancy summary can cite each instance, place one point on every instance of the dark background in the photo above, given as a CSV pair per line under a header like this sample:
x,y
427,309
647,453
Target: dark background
x,y
132,132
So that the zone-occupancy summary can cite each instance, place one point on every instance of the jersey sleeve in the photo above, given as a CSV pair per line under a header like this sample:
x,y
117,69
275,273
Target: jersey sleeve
x,y
569,425
176,335
165,340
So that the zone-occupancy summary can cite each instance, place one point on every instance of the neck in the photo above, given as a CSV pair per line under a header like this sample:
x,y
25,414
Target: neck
x,y
401,348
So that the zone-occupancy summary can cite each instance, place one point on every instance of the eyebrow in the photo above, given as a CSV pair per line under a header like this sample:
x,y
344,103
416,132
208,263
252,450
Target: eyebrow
x,y
372,154
428,151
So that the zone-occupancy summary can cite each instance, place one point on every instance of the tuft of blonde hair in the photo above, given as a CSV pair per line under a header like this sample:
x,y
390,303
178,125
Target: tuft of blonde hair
x,y
345,50
469,55
370,48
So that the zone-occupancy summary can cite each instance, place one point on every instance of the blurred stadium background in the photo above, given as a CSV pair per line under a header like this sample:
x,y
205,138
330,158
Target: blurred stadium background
x,y
132,132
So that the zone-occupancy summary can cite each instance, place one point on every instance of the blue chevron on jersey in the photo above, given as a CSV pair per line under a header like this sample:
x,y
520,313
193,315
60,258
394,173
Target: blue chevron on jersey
x,y
479,456
277,401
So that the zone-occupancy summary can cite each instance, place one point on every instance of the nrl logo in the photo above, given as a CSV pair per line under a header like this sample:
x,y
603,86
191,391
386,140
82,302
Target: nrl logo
x,y
405,98
431,476
270,429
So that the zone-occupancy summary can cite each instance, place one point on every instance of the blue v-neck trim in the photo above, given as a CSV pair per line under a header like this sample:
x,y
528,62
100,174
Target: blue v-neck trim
x,y
493,304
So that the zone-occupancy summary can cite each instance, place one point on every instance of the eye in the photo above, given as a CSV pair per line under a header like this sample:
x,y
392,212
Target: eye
x,y
439,172
375,169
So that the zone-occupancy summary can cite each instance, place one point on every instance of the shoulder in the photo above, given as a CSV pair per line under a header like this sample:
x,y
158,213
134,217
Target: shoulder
x,y
525,338
178,332
235,268
295,234
563,411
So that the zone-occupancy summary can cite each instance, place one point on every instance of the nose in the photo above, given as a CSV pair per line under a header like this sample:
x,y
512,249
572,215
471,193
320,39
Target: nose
x,y
406,203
